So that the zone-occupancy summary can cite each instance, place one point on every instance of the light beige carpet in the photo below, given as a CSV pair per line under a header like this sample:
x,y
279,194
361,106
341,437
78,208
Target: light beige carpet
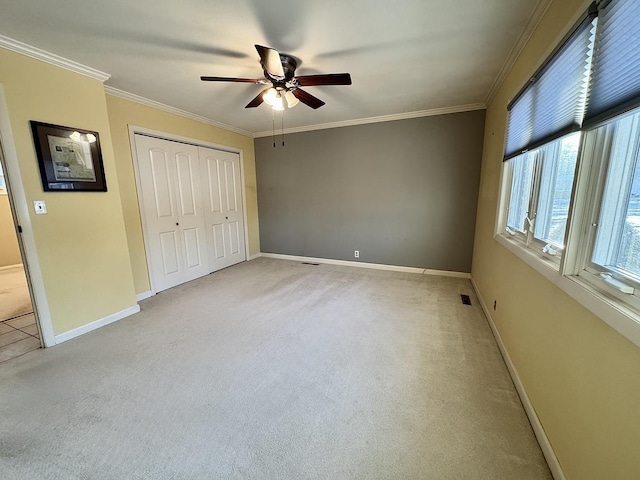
x,y
14,293
274,370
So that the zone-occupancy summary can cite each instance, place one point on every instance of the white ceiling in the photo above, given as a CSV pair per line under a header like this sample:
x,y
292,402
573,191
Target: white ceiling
x,y
404,55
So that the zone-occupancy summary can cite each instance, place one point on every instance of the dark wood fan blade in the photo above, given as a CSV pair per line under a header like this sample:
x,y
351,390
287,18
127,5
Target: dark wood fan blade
x,y
307,98
257,101
229,79
270,60
329,79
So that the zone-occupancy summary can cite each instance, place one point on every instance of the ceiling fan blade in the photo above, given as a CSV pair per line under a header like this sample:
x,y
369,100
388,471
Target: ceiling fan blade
x,y
270,60
307,98
258,100
229,79
329,79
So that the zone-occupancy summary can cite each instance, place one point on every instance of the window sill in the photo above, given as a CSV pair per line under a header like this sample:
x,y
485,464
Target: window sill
x,y
613,312
529,255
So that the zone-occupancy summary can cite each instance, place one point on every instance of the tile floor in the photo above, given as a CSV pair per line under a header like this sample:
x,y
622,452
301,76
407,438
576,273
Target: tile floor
x,y
18,336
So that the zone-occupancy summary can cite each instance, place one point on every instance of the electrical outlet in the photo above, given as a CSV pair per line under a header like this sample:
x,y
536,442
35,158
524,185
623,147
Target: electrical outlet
x,y
356,254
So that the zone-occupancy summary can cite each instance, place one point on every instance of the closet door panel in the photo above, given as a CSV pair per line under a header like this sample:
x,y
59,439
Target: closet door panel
x,y
172,211
223,215
191,211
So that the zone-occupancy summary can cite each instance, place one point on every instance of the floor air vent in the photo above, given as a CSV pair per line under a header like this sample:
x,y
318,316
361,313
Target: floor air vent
x,y
465,299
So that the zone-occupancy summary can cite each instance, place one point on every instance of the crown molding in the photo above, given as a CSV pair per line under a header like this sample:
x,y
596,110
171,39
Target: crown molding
x,y
51,58
383,118
175,111
532,23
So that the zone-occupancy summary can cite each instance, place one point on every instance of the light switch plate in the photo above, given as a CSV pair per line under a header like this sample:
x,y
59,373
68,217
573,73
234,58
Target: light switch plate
x,y
40,207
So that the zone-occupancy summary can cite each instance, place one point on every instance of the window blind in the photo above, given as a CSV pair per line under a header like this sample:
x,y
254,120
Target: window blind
x,y
553,102
615,82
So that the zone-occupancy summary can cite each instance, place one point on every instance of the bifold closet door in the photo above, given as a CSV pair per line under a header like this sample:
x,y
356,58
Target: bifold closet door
x,y
172,210
224,216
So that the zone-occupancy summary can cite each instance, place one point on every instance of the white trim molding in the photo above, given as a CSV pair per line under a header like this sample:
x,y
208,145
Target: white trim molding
x,y
133,129
383,118
532,23
253,257
109,90
18,198
144,295
76,332
52,58
374,266
536,425
132,97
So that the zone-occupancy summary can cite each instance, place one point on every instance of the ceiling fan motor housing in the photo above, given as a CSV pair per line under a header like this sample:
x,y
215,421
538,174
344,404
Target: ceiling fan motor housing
x,y
289,65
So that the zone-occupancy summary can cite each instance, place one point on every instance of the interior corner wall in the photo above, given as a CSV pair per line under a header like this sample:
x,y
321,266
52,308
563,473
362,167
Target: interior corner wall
x,y
582,377
402,192
9,250
122,114
81,241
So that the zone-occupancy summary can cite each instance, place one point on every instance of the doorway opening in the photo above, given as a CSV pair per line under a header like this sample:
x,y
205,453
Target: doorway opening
x,y
19,331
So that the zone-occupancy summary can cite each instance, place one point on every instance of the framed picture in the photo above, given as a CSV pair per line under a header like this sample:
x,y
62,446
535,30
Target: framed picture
x,y
70,159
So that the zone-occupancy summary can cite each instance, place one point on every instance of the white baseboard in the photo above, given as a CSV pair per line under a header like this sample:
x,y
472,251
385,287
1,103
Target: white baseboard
x,y
253,257
446,273
375,266
8,267
76,332
538,429
144,295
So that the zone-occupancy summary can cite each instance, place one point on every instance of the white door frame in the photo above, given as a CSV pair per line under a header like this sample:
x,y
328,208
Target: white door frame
x,y
133,129
20,207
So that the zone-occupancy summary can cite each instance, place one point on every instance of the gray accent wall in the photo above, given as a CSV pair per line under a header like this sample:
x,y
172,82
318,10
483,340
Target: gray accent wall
x,y
401,192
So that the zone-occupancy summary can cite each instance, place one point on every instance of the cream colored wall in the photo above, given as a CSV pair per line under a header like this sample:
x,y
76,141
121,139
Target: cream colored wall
x,y
9,250
123,113
583,377
81,242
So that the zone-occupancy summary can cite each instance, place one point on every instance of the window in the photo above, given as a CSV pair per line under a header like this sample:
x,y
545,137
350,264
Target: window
x,y
552,104
556,183
541,185
613,247
521,188
542,146
570,203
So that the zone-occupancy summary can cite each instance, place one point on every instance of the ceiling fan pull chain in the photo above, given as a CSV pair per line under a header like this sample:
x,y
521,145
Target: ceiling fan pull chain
x,y
282,127
273,116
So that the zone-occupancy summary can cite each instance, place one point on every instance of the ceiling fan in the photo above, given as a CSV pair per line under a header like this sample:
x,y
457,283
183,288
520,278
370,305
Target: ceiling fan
x,y
279,71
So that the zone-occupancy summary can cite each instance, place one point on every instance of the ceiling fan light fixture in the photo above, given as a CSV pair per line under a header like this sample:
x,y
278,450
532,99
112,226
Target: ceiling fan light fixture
x,y
278,104
292,100
274,98
270,96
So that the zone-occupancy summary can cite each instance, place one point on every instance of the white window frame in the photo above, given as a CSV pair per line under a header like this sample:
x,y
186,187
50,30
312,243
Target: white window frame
x,y
586,286
586,217
517,235
547,252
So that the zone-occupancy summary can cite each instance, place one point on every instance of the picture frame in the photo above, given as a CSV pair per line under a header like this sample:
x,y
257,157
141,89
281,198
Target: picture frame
x,y
70,159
